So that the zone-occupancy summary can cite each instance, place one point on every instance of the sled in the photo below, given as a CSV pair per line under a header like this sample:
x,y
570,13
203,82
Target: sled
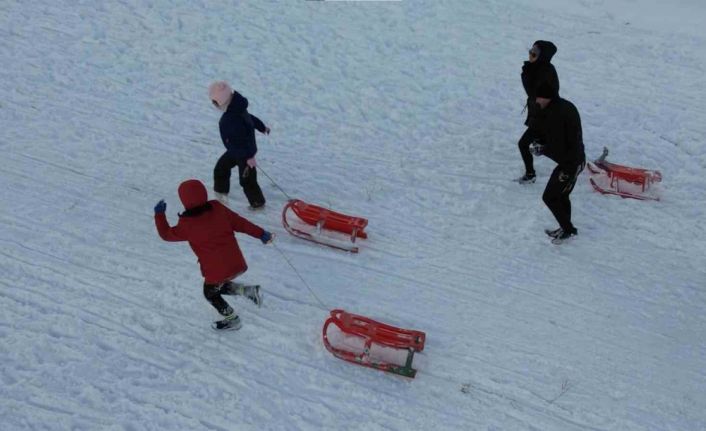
x,y
324,219
626,182
371,332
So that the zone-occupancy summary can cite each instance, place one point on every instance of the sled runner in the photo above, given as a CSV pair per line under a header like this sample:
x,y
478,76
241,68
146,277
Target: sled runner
x,y
370,333
325,219
623,181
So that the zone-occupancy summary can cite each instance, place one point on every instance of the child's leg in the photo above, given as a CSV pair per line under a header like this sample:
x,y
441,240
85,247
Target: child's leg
x,y
221,173
248,291
248,181
556,195
212,292
523,145
553,196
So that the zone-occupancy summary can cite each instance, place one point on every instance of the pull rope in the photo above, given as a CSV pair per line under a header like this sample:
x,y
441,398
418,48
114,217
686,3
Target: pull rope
x,y
275,183
296,271
284,256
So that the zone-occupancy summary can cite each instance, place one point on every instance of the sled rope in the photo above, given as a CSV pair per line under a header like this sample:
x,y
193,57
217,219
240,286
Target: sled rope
x,y
284,256
323,306
275,184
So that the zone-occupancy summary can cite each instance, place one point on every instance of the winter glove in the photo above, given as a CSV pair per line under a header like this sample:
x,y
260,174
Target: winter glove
x,y
536,148
267,130
267,238
161,207
251,162
563,177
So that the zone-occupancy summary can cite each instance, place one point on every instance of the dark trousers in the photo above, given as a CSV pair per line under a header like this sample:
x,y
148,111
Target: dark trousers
x,y
246,174
213,293
556,194
524,143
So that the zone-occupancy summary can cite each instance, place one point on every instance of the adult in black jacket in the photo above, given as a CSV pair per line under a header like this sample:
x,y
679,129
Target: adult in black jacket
x,y
237,127
561,139
538,70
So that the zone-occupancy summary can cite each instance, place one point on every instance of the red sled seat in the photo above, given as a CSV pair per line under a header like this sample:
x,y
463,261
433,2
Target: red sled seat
x,y
323,218
327,219
371,331
617,174
643,177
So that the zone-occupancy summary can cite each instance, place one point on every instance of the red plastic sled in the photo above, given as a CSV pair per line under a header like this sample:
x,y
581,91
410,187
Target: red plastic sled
x,y
378,333
323,218
623,181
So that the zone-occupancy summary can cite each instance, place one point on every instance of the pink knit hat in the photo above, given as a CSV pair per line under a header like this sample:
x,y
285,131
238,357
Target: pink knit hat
x,y
220,92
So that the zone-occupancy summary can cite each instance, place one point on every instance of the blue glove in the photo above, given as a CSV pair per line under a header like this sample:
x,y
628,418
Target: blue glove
x,y
161,207
266,238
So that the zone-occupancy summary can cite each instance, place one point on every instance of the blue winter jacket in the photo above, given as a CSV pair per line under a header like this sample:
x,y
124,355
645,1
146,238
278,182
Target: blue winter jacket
x,y
237,128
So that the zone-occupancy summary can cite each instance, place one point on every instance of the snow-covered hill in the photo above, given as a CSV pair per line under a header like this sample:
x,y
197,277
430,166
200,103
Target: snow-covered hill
x,y
407,113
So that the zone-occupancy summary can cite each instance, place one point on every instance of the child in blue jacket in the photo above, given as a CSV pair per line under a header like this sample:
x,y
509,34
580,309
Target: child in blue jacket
x,y
237,127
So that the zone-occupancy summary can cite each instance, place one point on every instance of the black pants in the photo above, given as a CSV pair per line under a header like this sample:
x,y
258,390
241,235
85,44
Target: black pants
x,y
524,145
556,194
213,292
246,174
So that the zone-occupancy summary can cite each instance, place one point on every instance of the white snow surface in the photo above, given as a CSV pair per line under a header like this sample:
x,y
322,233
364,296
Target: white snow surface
x,y
407,113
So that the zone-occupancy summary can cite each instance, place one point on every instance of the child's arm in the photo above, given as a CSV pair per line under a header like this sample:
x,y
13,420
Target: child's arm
x,y
241,224
165,231
259,125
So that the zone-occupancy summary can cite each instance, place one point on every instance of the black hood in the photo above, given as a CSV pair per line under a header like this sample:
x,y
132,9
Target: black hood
x,y
238,103
546,50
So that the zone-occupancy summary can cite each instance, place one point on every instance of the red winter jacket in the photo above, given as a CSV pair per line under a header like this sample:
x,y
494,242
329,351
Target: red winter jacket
x,y
209,227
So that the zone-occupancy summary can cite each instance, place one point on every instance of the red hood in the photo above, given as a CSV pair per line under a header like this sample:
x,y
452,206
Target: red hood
x,y
192,194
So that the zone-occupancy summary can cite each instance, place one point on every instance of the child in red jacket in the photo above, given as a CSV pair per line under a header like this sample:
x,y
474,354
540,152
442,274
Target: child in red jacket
x,y
208,226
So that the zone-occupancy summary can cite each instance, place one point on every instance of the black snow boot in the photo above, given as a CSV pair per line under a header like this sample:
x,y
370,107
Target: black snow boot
x,y
565,235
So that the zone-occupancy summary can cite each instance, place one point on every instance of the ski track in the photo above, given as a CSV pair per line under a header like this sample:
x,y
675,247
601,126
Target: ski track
x,y
404,114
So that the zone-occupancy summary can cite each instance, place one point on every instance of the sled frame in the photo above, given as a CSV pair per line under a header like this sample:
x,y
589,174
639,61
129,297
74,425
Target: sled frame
x,y
617,173
375,332
322,218
623,195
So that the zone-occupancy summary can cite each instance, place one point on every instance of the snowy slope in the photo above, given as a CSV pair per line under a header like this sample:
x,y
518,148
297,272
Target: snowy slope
x,y
407,113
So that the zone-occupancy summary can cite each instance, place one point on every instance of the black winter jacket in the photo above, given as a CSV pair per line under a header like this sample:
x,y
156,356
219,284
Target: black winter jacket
x,y
535,73
559,126
237,128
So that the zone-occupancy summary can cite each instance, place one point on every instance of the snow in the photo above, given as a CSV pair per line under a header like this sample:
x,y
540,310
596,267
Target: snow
x,y
406,113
